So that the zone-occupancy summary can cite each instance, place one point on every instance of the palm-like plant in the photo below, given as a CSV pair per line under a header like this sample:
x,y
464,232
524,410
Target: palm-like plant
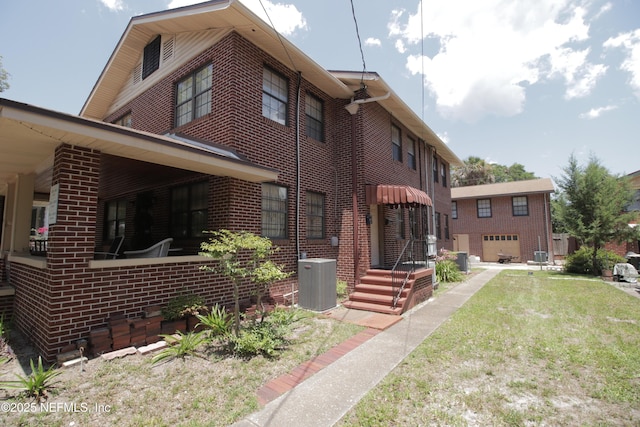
x,y
35,384
179,346
217,322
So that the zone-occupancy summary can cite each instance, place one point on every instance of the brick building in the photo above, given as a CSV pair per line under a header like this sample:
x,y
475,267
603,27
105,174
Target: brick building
x,y
204,119
513,218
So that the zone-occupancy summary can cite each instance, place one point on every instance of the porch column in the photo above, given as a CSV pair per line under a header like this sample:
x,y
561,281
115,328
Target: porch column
x,y
17,221
71,244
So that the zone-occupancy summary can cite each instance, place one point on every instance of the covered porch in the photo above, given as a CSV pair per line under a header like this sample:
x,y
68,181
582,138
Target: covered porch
x,y
401,274
51,172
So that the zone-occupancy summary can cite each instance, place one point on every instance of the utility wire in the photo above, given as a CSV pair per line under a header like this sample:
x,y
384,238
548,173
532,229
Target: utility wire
x,y
279,37
364,65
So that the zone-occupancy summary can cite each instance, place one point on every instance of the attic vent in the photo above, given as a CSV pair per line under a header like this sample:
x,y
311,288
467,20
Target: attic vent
x,y
167,49
137,74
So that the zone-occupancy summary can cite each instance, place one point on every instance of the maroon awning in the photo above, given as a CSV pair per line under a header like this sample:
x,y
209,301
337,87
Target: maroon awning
x,y
396,195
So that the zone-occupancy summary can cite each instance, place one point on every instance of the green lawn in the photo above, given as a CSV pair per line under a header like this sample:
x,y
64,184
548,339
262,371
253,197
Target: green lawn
x,y
528,349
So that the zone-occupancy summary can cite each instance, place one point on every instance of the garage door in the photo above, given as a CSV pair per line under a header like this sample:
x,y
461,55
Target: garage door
x,y
492,244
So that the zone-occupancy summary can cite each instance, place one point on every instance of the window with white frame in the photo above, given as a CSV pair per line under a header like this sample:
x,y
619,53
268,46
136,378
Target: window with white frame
x,y
520,205
396,143
315,215
484,208
275,96
274,211
411,154
193,95
314,110
454,210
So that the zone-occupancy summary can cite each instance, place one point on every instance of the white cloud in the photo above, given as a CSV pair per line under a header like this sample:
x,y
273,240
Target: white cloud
x,y
286,18
444,137
113,5
491,50
630,42
372,41
400,46
594,113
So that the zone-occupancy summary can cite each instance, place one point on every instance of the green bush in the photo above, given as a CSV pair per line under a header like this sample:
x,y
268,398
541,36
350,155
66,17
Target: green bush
x,y
581,261
341,289
264,338
447,271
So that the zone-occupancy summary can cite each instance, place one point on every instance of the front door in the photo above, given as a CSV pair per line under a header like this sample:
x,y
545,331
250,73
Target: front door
x,y
377,236
461,243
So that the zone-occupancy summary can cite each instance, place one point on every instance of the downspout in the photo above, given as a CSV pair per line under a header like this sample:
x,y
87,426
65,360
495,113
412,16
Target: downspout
x,y
298,166
546,223
433,190
354,200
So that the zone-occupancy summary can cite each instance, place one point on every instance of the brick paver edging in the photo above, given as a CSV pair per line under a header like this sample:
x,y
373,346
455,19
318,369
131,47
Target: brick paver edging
x,y
286,382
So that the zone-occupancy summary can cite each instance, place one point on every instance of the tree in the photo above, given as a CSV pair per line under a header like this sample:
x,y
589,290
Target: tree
x,y
477,171
4,77
515,172
474,171
591,206
241,256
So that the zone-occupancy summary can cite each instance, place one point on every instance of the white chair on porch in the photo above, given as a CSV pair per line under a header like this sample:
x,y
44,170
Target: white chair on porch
x,y
114,249
160,249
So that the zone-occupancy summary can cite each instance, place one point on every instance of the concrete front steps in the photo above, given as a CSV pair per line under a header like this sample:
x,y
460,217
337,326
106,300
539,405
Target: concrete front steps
x,y
375,293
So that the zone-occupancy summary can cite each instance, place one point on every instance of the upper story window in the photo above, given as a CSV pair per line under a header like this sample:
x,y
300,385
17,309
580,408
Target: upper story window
x,y
193,95
435,169
116,214
443,173
454,210
411,154
189,211
274,211
484,208
314,110
151,57
396,143
520,205
275,96
315,215
124,120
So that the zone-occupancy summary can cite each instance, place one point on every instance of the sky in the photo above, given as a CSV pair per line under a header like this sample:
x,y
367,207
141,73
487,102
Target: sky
x,y
509,81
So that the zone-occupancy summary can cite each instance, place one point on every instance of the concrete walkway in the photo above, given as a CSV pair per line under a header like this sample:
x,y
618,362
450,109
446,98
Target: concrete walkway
x,y
325,397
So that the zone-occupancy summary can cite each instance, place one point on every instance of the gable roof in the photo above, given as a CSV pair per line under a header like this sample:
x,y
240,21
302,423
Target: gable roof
x,y
532,186
230,15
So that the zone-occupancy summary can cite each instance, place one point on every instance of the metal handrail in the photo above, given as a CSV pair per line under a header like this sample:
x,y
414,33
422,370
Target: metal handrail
x,y
410,260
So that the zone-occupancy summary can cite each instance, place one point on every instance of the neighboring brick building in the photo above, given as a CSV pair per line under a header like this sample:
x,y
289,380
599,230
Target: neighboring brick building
x,y
512,218
200,121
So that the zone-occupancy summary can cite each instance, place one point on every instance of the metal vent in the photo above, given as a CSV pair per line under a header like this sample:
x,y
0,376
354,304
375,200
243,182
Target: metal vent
x,y
167,49
137,74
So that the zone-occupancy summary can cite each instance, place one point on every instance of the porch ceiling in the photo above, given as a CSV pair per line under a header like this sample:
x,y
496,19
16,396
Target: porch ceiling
x,y
29,136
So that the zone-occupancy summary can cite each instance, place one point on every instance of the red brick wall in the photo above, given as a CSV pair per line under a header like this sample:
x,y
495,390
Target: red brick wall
x,y
502,221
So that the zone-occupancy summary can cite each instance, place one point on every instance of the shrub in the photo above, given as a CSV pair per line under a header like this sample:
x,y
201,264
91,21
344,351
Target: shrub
x,y
581,261
341,289
264,338
35,384
447,271
183,306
